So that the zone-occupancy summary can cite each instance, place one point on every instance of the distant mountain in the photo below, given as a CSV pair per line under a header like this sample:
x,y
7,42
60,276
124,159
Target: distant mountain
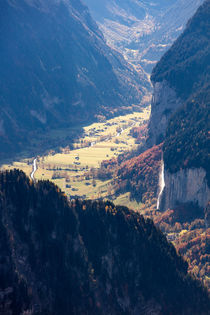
x,y
142,30
85,257
57,71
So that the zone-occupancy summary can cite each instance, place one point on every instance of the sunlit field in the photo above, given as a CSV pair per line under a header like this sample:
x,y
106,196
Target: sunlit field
x,y
74,170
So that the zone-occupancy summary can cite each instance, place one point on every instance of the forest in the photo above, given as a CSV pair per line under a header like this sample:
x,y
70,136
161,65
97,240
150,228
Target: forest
x,y
86,256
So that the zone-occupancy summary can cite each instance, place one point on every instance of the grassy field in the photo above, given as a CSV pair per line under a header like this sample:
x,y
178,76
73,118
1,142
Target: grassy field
x,y
124,199
74,170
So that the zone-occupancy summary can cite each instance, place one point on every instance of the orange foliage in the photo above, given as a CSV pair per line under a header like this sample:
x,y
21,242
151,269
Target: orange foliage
x,y
140,174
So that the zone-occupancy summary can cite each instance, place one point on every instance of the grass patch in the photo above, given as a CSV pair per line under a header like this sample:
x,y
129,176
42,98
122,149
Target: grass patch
x,y
124,199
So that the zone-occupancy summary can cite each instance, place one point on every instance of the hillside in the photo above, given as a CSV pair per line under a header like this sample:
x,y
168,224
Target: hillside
x,y
86,257
186,65
57,71
187,143
140,175
181,100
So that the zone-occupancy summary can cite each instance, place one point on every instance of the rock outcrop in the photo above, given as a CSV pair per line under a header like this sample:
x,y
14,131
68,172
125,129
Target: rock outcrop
x,y
164,103
185,186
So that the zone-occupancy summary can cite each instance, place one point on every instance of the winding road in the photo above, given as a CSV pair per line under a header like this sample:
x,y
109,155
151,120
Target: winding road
x,y
34,169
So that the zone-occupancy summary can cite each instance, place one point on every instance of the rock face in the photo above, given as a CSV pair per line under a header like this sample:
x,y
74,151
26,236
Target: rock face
x,y
164,103
180,109
188,185
207,215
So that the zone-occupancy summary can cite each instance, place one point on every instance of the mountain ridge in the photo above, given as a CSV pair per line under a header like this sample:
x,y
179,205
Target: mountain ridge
x,y
79,257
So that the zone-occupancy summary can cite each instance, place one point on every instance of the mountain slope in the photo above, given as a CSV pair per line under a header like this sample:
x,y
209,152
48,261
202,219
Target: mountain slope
x,y
180,113
187,143
181,74
140,175
56,70
186,65
186,69
85,257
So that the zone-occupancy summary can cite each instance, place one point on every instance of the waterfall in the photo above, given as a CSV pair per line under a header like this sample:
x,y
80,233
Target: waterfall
x,y
161,184
34,169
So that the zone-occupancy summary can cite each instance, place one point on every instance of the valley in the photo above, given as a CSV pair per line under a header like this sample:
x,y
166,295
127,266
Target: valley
x,y
78,170
75,170
142,31
104,157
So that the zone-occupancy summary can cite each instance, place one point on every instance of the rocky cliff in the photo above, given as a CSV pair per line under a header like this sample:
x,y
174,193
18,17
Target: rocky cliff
x,y
185,186
179,118
164,103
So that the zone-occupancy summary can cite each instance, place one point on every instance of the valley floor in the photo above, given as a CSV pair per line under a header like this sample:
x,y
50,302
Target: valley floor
x,y
75,170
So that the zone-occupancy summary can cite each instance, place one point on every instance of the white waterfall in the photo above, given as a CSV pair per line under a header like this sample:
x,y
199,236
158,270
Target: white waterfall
x,y
161,184
34,168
